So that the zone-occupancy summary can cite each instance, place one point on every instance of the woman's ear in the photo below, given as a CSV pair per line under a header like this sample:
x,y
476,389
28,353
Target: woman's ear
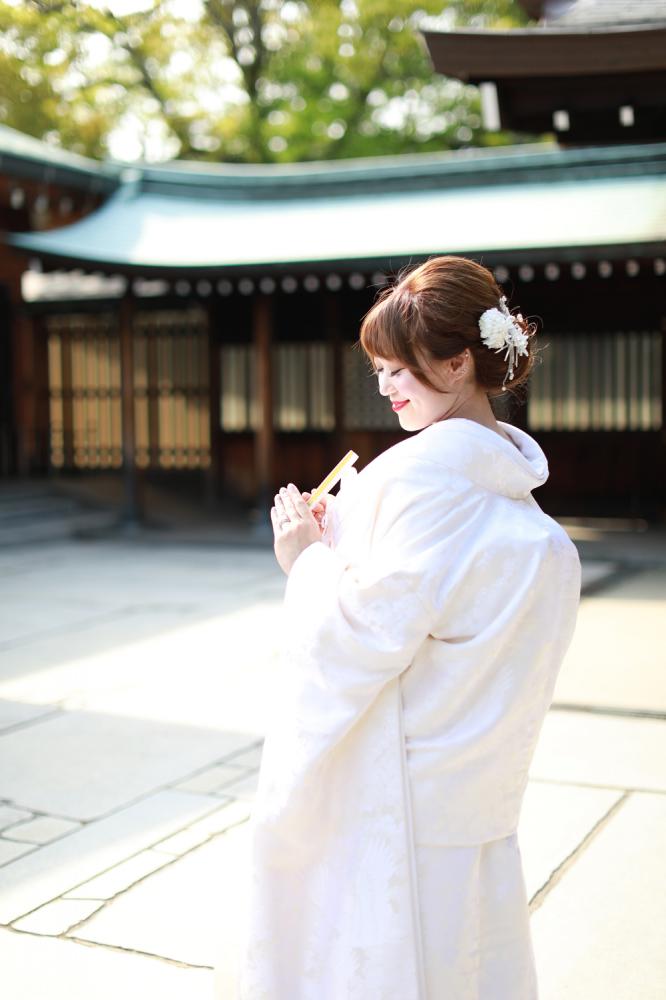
x,y
461,366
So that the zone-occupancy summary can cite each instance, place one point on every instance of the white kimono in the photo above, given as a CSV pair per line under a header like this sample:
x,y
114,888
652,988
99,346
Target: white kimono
x,y
423,638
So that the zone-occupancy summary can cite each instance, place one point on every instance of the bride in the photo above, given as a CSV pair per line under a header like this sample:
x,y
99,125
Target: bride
x,y
428,607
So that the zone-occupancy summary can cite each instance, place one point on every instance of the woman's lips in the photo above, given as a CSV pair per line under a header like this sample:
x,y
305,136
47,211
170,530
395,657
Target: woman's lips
x,y
399,406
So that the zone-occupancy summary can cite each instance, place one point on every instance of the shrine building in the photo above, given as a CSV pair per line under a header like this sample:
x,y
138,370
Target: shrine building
x,y
197,322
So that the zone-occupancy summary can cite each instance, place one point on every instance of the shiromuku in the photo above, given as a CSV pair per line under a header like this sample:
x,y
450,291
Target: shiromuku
x,y
427,611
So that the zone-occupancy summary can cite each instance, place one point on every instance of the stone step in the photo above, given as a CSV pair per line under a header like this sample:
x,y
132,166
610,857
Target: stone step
x,y
54,526
35,511
55,529
27,508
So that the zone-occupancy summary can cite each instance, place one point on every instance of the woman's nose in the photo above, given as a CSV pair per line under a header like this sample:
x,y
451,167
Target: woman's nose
x,y
384,384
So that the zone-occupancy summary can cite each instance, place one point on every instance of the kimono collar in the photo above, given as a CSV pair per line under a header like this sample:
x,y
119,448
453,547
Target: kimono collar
x,y
484,456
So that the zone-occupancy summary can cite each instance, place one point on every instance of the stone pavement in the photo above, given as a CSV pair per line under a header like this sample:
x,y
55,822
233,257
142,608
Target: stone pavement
x,y
135,686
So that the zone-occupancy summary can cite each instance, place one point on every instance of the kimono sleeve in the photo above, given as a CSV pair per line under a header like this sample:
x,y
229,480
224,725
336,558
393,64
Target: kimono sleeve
x,y
357,625
352,624
357,628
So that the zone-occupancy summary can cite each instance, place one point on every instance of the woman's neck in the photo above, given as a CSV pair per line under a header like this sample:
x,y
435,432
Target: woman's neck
x,y
476,407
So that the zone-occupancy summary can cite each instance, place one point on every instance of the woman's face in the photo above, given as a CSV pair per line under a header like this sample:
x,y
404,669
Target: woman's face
x,y
417,406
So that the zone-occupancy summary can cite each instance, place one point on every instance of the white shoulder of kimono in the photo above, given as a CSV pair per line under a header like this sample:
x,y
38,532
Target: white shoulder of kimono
x,y
410,468
401,484
474,451
411,517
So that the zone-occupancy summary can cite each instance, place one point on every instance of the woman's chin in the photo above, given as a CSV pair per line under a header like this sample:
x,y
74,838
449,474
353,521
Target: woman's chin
x,y
408,422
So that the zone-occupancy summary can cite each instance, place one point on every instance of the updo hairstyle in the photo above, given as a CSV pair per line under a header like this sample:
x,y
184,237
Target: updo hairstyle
x,y
432,313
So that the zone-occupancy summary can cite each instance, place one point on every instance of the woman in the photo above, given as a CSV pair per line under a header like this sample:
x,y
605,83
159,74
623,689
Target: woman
x,y
426,621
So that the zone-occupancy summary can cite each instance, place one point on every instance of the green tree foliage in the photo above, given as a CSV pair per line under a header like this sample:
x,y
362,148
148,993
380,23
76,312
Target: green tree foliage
x,y
238,80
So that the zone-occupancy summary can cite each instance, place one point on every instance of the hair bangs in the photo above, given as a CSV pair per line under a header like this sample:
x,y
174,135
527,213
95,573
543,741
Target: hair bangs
x,y
384,332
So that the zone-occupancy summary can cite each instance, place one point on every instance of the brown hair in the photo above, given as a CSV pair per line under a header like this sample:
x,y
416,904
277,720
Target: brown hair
x,y
432,313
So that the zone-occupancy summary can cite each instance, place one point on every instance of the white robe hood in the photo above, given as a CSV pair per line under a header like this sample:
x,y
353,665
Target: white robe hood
x,y
423,636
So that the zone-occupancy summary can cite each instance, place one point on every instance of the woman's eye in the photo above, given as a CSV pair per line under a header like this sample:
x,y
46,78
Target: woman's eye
x,y
396,372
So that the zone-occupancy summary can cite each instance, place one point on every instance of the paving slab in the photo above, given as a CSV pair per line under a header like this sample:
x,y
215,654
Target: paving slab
x,y
139,592
20,618
212,778
50,871
45,667
612,751
231,814
69,765
124,571
599,932
242,788
42,968
189,911
228,660
554,821
120,877
17,713
57,917
230,682
41,829
11,849
617,657
183,842
9,816
248,758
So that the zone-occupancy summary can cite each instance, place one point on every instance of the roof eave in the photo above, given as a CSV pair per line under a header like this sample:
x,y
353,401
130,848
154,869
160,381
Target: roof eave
x,y
26,158
485,55
510,256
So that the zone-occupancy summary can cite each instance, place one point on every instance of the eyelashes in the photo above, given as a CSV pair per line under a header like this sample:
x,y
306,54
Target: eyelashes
x,y
396,372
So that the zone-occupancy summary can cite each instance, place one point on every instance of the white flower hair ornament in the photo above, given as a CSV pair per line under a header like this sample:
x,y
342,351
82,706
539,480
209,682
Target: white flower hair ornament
x,y
499,329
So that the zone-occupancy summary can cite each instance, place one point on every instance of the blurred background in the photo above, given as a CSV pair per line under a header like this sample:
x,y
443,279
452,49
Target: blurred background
x,y
200,200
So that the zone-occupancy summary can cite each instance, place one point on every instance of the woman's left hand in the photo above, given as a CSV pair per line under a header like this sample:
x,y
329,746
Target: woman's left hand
x,y
294,526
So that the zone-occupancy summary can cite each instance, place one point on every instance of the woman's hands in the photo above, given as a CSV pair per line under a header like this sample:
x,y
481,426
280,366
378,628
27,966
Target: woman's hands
x,y
295,525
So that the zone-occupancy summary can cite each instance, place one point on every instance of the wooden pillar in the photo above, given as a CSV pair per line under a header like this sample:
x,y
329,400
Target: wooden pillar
x,y
338,343
661,501
7,386
25,445
262,321
153,392
67,398
131,510
18,356
22,359
214,470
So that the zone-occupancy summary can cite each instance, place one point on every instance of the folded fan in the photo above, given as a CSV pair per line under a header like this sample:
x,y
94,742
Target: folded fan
x,y
332,478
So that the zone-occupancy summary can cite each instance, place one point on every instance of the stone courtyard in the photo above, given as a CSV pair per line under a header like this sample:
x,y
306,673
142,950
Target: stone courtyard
x,y
136,682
